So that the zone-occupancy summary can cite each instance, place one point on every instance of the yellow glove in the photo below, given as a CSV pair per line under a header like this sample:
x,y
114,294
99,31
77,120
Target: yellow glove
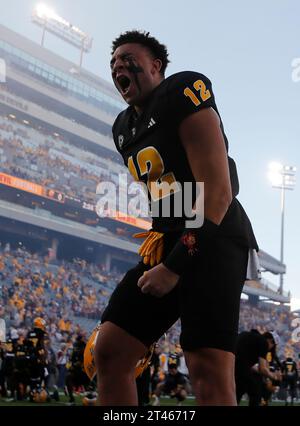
x,y
152,248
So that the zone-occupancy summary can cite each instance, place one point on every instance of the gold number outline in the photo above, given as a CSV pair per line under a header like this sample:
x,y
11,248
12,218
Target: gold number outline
x,y
150,162
199,86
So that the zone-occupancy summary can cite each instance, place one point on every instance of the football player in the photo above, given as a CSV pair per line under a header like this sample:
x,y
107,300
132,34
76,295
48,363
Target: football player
x,y
76,375
270,387
171,133
290,377
253,374
174,384
21,370
7,368
37,352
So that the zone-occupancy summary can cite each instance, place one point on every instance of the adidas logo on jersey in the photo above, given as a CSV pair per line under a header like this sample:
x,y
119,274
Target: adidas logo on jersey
x,y
151,123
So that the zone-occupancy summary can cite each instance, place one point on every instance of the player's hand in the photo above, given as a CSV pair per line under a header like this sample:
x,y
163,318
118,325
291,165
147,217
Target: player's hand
x,y
158,281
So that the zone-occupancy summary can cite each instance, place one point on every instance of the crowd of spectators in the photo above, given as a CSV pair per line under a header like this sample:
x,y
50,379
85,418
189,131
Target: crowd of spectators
x,y
52,161
62,291
67,293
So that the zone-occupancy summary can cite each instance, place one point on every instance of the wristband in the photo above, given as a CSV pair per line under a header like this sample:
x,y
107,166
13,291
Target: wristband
x,y
189,244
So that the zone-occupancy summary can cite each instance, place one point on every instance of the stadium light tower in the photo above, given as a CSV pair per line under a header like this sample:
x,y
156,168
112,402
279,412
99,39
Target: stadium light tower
x,y
284,178
46,18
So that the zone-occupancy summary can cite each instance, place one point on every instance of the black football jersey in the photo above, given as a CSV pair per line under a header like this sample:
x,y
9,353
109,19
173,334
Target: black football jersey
x,y
35,337
8,357
173,359
21,356
172,381
290,368
152,151
9,351
36,346
250,347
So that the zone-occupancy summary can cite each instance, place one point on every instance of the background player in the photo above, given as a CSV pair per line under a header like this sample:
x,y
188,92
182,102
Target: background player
x,y
289,380
174,384
37,354
76,376
252,350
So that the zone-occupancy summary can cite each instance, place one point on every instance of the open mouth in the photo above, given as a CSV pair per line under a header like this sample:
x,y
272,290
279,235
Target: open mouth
x,y
124,83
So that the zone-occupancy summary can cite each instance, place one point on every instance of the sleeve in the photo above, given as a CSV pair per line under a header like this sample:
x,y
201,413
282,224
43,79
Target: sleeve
x,y
118,134
114,132
118,129
188,92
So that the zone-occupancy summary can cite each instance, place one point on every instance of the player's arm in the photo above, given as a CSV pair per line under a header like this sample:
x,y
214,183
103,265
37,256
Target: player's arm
x,y
201,136
263,369
202,139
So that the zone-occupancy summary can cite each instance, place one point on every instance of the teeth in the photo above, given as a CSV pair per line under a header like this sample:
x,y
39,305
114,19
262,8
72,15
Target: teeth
x,y
127,88
124,82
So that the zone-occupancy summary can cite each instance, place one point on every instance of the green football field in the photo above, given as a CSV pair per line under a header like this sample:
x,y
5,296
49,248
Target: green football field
x,y
78,401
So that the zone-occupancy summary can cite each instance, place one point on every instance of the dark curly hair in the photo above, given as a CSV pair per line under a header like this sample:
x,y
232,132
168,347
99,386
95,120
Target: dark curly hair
x,y
157,50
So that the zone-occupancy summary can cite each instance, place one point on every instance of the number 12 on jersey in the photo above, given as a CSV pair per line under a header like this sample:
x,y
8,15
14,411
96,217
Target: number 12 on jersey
x,y
200,86
150,163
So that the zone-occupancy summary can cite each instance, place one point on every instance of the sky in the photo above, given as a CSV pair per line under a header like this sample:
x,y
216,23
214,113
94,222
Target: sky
x,y
247,49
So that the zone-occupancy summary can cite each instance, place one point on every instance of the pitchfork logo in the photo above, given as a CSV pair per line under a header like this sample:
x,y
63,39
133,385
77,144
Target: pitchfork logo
x,y
120,140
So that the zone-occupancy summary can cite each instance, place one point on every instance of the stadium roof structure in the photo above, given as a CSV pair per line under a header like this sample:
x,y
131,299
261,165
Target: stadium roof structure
x,y
264,288
270,264
55,24
48,56
65,87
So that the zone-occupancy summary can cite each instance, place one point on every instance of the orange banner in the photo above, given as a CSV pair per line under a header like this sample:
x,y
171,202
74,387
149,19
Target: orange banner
x,y
33,188
22,184
131,220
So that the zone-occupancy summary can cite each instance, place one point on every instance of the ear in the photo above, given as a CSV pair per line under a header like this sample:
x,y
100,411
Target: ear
x,y
157,64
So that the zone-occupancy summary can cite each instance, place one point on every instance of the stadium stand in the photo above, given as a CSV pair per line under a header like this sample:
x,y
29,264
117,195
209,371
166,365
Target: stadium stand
x,y
71,297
